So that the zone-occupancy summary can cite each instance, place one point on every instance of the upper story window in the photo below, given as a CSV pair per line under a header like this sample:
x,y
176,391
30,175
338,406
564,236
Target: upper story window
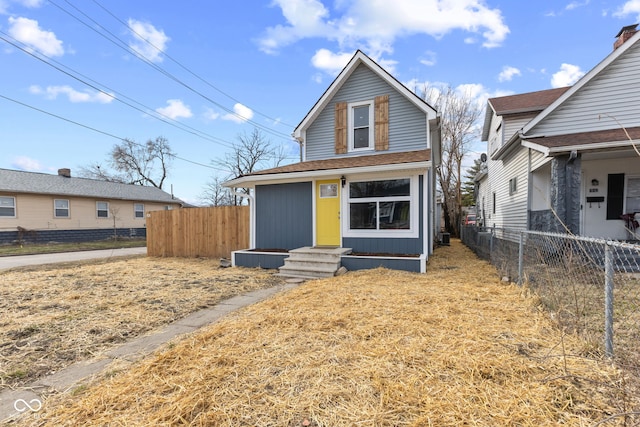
x,y
361,126
61,208
8,206
138,210
102,209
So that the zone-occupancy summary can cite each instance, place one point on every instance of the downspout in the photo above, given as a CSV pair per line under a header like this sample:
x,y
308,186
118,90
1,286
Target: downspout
x,y
252,216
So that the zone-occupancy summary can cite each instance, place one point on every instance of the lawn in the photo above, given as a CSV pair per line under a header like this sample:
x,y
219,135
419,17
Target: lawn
x,y
451,347
48,248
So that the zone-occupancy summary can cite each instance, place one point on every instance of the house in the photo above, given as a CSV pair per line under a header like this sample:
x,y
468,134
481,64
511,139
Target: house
x,y
365,187
44,207
567,159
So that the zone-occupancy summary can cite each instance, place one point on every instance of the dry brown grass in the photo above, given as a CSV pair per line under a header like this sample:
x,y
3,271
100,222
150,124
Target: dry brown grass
x,y
373,348
54,316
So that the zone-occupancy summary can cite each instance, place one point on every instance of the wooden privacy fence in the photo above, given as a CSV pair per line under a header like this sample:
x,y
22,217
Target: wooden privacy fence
x,y
198,232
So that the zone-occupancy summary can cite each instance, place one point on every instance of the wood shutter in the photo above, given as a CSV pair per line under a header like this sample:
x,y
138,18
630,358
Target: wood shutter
x,y
341,127
615,195
381,117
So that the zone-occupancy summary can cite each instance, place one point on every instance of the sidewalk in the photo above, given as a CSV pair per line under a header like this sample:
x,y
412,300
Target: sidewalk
x,y
24,260
15,402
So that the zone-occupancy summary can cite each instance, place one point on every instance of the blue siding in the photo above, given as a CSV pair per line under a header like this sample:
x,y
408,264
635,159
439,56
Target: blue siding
x,y
362,263
253,259
389,245
407,123
284,217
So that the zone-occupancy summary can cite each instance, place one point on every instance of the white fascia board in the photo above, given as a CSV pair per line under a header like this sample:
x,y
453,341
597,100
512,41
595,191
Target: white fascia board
x,y
582,147
582,82
280,178
541,148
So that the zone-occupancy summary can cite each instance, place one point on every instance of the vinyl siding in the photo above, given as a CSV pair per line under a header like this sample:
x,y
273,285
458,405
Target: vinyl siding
x,y
407,124
511,210
36,212
513,124
613,94
284,218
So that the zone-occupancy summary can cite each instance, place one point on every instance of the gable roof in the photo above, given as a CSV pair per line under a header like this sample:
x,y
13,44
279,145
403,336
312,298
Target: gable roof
x,y
582,82
530,102
13,181
359,58
339,165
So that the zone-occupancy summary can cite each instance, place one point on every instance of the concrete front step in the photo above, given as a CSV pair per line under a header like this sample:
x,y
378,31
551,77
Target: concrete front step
x,y
310,262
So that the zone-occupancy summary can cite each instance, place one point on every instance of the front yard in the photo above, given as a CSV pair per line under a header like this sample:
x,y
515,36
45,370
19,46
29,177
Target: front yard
x,y
53,316
377,348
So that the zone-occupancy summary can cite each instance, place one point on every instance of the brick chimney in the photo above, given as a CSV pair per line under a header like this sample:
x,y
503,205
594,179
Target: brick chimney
x,y
65,172
624,34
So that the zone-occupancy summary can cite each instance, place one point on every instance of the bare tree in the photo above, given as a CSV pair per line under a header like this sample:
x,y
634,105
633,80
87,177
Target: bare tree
x,y
459,128
251,153
133,163
215,194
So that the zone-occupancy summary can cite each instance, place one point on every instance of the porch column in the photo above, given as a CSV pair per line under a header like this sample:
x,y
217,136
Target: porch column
x,y
565,193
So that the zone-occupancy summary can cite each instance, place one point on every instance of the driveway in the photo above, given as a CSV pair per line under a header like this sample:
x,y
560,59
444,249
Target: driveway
x,y
24,260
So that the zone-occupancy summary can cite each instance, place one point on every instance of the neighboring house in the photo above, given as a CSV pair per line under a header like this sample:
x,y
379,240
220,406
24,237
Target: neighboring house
x,y
567,160
366,182
44,207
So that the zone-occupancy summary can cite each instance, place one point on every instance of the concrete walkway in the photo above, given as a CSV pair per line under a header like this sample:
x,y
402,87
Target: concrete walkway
x,y
15,402
24,260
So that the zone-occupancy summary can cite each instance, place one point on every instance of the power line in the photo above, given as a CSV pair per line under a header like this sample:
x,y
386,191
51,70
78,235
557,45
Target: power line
x,y
101,131
183,66
123,45
145,110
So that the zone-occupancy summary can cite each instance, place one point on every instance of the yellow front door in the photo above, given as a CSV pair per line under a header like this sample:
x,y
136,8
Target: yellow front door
x,y
328,213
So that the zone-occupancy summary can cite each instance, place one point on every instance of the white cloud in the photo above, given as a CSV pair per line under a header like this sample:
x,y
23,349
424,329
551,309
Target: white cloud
x,y
31,4
29,32
241,114
631,7
329,62
25,163
576,4
428,58
567,76
374,26
52,92
148,42
175,109
508,73
211,114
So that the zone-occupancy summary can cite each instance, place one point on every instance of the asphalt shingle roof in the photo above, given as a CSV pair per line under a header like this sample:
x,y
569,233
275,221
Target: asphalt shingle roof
x,y
12,181
351,162
526,102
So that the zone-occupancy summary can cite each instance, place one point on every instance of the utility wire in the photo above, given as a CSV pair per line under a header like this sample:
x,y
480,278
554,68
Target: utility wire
x,y
183,66
102,132
123,45
145,110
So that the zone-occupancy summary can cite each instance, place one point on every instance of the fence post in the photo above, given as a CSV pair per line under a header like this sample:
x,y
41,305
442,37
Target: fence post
x,y
608,301
521,259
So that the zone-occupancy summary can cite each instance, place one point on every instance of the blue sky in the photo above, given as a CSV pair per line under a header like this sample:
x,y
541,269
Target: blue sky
x,y
218,69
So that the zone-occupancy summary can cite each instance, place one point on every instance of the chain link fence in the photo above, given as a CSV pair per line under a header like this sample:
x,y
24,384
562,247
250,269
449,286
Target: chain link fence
x,y
590,286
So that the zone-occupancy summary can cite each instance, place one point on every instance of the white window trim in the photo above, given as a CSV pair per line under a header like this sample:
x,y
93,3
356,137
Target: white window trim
x,y
350,141
414,213
55,209
102,217
15,209
135,211
626,191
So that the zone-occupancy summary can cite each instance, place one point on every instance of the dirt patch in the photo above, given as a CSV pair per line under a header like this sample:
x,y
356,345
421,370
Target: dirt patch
x,y
53,316
451,347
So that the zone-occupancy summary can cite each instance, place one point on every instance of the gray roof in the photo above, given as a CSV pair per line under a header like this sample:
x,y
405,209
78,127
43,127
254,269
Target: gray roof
x,y
12,181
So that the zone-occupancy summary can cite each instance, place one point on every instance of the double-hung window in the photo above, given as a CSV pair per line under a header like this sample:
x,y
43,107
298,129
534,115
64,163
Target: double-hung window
x,y
138,210
385,207
8,206
102,209
361,126
61,208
